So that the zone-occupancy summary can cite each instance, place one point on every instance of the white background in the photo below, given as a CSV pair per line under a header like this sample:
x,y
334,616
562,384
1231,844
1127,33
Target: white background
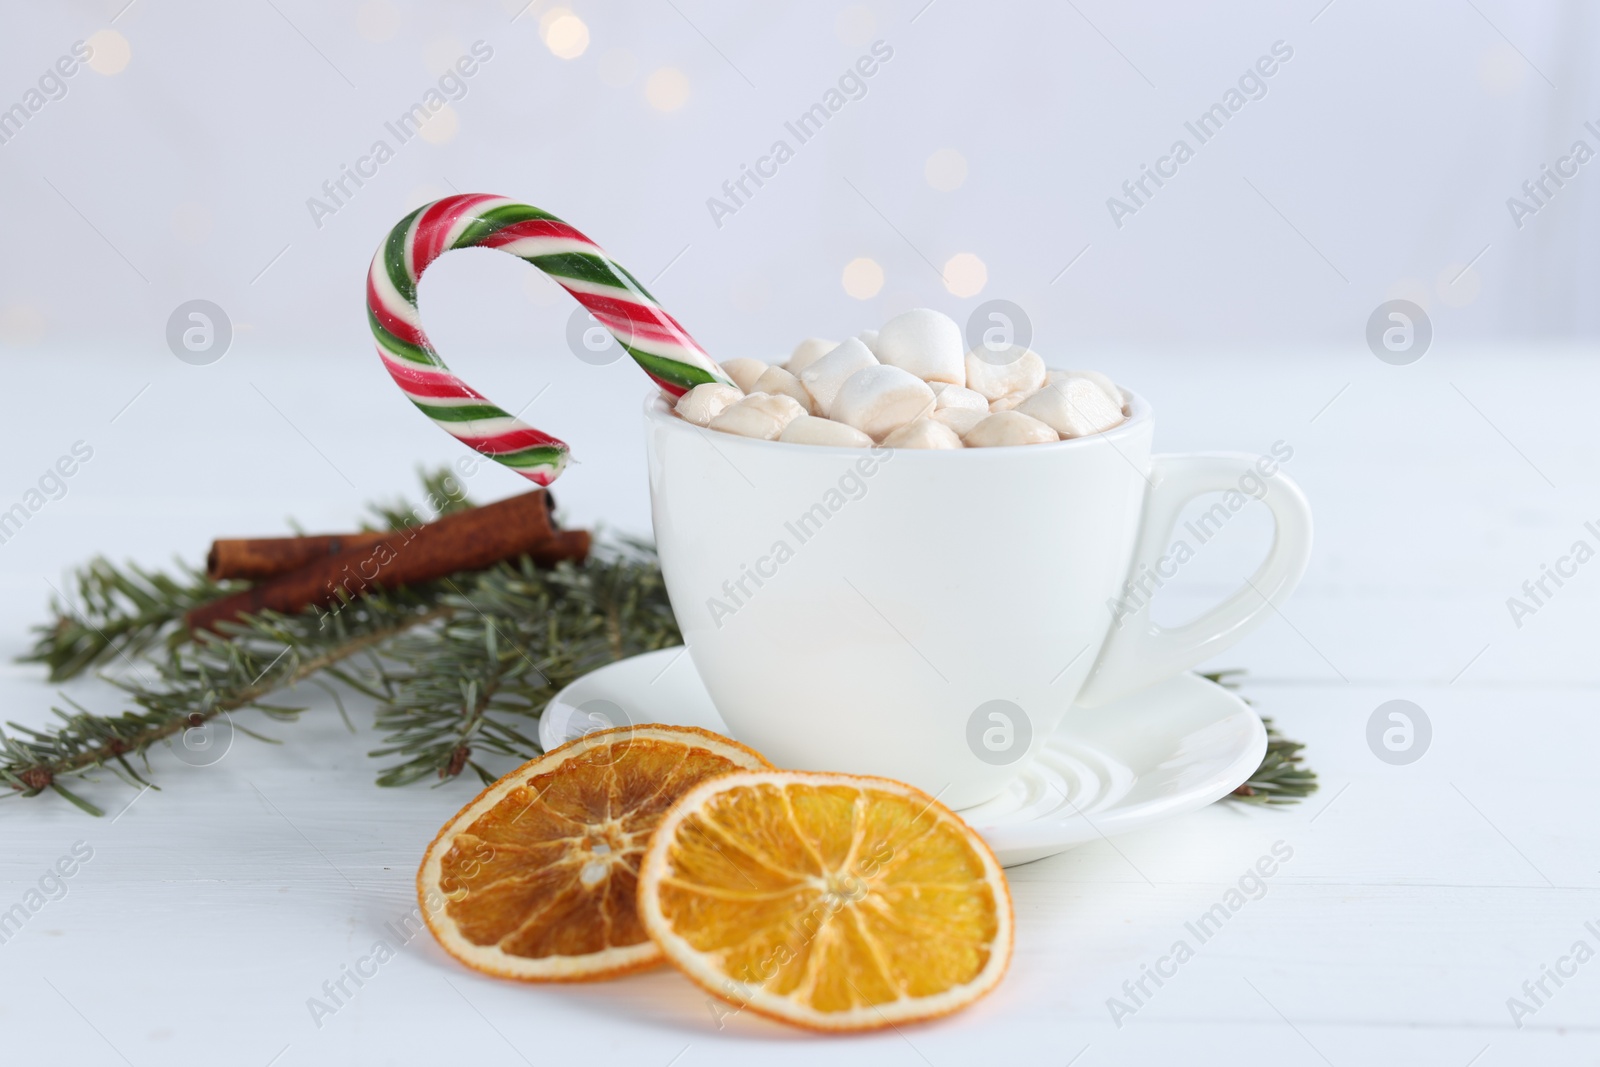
x,y
1377,166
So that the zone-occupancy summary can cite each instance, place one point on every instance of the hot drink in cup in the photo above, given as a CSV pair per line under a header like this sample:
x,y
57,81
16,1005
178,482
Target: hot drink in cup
x,y
895,556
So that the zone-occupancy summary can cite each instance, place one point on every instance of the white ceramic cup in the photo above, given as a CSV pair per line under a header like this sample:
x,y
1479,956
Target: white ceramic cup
x,y
931,616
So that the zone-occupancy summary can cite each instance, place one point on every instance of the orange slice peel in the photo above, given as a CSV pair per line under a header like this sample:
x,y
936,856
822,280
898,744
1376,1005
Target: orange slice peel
x,y
827,901
536,878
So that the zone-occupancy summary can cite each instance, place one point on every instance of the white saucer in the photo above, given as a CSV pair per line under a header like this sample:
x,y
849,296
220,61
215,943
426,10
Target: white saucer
x,y
1173,748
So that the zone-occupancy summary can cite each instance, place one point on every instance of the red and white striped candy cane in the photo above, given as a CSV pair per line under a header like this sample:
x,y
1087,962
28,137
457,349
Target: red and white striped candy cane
x,y
616,299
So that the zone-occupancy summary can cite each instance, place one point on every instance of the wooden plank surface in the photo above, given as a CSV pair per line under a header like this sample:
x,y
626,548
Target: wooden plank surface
x,y
1418,898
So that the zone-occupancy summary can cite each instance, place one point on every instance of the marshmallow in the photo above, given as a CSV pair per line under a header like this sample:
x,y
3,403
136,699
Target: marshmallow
x,y
1073,407
957,396
1023,374
1094,376
810,430
778,381
961,420
808,352
824,377
1007,402
1009,428
759,415
878,400
706,401
870,339
744,372
924,343
923,433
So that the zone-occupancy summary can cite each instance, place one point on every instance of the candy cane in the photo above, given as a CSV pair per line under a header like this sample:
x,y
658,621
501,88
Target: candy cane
x,y
651,336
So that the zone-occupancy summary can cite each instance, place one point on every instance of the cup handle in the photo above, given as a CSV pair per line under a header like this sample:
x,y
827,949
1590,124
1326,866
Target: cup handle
x,y
1139,653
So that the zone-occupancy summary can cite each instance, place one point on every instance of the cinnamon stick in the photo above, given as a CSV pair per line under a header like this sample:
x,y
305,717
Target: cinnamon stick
x,y
256,558
563,544
463,541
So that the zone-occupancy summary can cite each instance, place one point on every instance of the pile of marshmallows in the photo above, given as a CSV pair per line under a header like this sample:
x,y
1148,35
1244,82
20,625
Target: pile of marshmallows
x,y
908,385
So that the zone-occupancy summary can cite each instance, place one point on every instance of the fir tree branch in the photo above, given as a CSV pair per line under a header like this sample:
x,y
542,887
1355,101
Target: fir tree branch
x,y
1280,779
121,615
197,681
455,667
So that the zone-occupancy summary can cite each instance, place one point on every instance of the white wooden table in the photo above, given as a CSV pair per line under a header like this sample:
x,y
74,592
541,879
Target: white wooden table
x,y
1418,898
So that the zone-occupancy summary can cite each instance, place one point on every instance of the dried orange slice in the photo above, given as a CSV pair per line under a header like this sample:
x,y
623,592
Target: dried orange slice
x,y
536,879
826,900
